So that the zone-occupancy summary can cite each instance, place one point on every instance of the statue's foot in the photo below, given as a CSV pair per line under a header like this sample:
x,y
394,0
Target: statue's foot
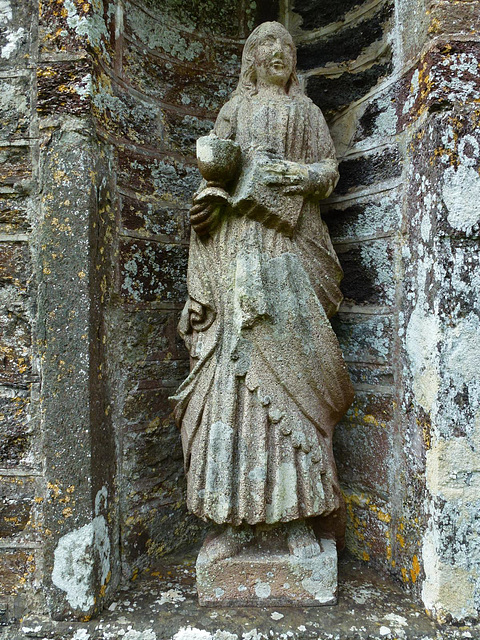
x,y
301,540
227,543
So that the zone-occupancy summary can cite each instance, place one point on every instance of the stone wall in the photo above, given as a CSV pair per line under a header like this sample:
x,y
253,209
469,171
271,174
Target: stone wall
x,y
102,104
348,64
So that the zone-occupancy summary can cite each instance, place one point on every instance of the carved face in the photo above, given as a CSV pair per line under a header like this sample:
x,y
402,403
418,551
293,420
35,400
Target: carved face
x,y
274,58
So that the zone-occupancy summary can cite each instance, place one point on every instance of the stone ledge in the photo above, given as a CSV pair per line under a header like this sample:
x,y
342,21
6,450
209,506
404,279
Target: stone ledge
x,y
162,605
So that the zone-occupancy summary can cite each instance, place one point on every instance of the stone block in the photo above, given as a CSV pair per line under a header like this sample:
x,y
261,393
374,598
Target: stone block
x,y
153,218
16,34
182,130
17,506
152,271
375,215
15,343
70,27
369,532
332,92
412,29
16,566
127,116
15,168
369,169
370,374
368,469
368,271
168,179
446,76
312,18
14,214
15,429
64,87
183,87
253,578
185,19
364,338
371,122
345,44
15,266
15,105
447,18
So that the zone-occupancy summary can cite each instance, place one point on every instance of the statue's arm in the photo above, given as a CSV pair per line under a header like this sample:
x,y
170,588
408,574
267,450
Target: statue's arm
x,y
225,124
315,179
323,174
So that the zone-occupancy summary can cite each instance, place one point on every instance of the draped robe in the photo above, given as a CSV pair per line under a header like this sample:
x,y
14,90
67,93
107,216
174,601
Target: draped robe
x,y
268,382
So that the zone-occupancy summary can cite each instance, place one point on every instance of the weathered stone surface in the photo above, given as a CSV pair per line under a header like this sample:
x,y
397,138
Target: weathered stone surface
x,y
126,116
81,556
14,214
19,507
373,216
333,92
163,604
153,360
16,436
369,169
312,18
369,533
167,178
149,217
371,122
16,33
15,107
366,338
440,341
15,168
186,87
16,567
153,271
446,76
369,272
345,44
64,87
366,427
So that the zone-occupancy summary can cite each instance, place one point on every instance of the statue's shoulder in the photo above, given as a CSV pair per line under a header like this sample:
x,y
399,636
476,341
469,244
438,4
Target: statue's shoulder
x,y
230,108
308,104
226,123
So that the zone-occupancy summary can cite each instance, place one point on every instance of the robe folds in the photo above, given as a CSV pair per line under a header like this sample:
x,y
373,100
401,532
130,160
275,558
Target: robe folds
x,y
268,382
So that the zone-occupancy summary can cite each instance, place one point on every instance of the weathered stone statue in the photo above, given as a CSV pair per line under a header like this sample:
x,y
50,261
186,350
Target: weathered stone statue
x,y
268,382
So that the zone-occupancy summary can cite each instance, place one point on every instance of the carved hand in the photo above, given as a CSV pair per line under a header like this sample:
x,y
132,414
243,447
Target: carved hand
x,y
207,205
294,178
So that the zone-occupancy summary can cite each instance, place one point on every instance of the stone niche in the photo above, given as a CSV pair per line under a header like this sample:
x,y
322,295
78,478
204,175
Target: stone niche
x,y
97,175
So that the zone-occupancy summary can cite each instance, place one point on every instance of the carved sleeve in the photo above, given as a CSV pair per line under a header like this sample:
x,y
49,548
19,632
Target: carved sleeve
x,y
226,123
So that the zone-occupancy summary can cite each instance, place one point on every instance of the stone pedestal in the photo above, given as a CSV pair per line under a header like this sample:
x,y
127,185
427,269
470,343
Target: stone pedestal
x,y
258,578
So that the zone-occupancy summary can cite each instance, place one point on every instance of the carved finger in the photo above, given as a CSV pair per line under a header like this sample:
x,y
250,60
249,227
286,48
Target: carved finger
x,y
202,215
203,228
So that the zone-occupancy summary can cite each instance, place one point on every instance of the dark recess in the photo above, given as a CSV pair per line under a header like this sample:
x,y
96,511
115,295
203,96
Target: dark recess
x,y
346,45
318,14
333,93
358,283
368,170
267,11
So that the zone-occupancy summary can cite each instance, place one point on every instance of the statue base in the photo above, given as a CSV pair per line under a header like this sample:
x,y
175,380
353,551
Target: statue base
x,y
256,578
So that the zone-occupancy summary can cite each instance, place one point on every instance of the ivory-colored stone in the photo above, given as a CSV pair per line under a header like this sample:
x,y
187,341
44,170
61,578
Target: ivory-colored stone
x,y
268,382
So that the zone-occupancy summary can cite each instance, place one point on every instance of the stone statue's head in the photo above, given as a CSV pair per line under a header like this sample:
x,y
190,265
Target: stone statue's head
x,y
252,58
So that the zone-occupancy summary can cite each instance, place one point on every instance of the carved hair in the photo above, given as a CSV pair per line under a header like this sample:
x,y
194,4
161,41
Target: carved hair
x,y
247,83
